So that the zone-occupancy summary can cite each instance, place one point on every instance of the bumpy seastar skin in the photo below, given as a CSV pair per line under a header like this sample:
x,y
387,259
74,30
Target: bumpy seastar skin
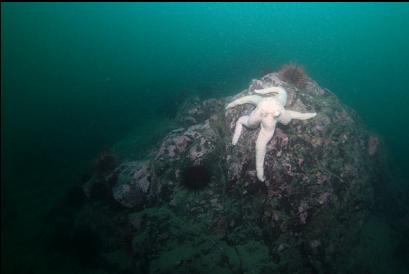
x,y
269,110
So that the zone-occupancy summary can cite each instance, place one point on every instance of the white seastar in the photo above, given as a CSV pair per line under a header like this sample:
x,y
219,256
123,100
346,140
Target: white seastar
x,y
269,110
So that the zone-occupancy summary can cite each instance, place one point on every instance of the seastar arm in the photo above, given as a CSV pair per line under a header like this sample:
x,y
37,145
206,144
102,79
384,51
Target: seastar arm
x,y
251,99
286,117
250,121
301,116
239,128
269,90
268,125
278,92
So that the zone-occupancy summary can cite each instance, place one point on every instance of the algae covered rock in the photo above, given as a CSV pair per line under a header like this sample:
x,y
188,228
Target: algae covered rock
x,y
133,186
195,204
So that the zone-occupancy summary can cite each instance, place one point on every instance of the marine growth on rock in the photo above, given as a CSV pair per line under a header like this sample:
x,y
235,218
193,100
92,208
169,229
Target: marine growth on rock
x,y
195,203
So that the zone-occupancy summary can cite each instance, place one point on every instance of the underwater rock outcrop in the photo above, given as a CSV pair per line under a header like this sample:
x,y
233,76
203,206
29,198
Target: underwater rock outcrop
x,y
195,204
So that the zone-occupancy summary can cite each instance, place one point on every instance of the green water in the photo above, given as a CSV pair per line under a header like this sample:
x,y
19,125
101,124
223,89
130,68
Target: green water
x,y
79,77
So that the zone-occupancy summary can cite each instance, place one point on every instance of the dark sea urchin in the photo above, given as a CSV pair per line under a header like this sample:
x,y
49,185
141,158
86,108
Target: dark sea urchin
x,y
195,178
294,74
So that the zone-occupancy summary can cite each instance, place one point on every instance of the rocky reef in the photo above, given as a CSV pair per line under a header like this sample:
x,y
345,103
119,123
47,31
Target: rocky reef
x,y
194,204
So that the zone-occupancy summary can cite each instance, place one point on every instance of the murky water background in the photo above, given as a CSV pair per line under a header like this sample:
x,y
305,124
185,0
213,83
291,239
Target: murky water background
x,y
79,77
